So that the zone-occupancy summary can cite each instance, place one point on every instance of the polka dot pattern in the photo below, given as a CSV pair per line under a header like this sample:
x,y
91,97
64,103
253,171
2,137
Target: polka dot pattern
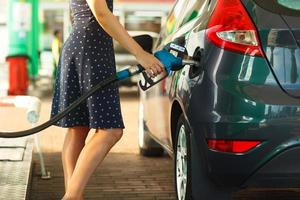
x,y
87,58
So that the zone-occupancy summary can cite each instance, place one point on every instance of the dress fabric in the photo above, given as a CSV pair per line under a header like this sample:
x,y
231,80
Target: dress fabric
x,y
87,58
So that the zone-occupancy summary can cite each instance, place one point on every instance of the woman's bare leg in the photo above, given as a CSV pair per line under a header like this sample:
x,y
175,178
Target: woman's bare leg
x,y
90,157
73,143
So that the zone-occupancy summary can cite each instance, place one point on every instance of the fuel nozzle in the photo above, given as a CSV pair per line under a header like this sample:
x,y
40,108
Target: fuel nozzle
x,y
171,63
181,52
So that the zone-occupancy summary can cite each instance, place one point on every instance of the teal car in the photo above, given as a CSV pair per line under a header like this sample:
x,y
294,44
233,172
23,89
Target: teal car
x,y
234,120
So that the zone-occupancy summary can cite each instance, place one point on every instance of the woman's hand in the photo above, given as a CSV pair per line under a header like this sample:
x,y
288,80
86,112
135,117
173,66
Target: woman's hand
x,y
150,63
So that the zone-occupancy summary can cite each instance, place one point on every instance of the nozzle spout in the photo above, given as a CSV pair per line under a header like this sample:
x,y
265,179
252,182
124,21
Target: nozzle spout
x,y
191,62
188,60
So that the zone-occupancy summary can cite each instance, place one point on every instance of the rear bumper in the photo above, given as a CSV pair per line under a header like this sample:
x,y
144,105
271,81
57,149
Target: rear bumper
x,y
274,163
281,171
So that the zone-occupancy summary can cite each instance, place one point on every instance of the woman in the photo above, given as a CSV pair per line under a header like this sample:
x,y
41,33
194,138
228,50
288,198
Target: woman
x,y
87,58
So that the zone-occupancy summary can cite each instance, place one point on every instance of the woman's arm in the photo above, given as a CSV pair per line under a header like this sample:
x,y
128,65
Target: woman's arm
x,y
112,26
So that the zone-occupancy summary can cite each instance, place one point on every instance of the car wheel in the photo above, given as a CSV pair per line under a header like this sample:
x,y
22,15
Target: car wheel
x,y
147,146
188,176
182,161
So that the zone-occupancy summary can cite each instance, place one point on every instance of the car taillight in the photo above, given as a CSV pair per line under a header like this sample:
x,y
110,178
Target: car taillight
x,y
232,146
231,28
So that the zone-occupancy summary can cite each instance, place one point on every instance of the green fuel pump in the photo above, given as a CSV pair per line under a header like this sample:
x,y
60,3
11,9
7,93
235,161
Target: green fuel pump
x,y
22,58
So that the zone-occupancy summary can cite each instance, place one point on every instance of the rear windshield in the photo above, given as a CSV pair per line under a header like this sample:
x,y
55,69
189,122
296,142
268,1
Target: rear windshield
x,y
291,4
283,7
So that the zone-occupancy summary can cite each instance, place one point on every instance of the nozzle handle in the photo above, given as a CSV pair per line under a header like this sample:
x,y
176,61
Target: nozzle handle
x,y
170,62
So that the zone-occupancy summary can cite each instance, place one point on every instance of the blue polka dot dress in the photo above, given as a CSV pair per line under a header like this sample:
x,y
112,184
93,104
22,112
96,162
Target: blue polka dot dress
x,y
87,58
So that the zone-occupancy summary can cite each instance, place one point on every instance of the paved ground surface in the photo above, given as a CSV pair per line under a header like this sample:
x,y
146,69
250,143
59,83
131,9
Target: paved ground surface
x,y
121,176
124,174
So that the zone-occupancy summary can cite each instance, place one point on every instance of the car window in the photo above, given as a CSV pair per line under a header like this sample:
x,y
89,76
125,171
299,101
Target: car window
x,y
176,16
283,7
182,12
193,9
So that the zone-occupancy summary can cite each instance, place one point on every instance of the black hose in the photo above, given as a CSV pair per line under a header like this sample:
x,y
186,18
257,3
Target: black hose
x,y
120,76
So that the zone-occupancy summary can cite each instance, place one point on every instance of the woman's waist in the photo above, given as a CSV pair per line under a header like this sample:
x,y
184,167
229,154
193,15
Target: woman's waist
x,y
85,23
85,31
83,16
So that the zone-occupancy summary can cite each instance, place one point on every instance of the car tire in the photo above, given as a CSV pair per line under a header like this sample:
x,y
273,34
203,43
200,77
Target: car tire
x,y
183,171
182,163
147,146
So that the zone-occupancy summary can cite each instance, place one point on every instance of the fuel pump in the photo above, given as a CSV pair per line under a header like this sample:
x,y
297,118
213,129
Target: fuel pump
x,y
22,58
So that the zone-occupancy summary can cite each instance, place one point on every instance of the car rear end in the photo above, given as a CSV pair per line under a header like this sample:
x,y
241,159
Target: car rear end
x,y
250,93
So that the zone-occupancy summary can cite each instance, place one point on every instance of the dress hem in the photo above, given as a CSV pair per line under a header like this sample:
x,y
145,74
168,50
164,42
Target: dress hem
x,y
91,127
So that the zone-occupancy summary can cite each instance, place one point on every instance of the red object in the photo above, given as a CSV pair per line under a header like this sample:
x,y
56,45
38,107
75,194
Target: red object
x,y
18,76
231,28
232,146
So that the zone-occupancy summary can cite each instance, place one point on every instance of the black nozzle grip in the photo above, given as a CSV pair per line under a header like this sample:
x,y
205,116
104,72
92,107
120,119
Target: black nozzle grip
x,y
141,68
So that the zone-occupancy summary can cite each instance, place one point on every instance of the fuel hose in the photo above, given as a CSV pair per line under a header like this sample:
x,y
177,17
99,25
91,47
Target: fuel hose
x,y
126,73
169,61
